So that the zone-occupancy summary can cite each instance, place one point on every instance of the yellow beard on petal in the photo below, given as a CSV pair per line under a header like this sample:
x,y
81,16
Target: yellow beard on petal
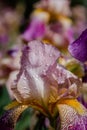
x,y
71,113
74,104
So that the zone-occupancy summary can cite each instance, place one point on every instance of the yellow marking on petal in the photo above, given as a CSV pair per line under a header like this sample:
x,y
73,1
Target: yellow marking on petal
x,y
53,95
12,115
16,112
11,105
38,107
41,14
64,18
19,106
46,41
67,115
75,104
38,11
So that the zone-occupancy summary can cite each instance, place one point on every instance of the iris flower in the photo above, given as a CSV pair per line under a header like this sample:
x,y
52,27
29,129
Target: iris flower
x,y
50,22
78,50
35,30
48,87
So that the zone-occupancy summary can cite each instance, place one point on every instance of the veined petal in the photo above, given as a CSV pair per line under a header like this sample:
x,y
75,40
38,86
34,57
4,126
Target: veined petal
x,y
78,48
31,84
8,120
74,103
13,111
41,80
66,83
73,116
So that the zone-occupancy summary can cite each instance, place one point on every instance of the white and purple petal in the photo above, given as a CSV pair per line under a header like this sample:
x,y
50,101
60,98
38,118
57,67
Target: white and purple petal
x,y
31,83
40,74
71,119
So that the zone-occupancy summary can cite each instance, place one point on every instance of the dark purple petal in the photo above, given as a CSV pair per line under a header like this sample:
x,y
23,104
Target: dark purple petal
x,y
9,118
4,127
78,48
84,79
6,121
12,52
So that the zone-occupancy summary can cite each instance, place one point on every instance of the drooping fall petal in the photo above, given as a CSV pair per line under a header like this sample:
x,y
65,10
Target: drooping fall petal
x,y
9,119
73,116
78,48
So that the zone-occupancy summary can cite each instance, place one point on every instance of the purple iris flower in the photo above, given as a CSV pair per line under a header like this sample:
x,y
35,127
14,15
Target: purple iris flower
x,y
78,48
6,123
35,30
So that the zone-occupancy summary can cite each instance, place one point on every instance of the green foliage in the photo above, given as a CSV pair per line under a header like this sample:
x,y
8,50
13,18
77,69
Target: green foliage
x,y
78,2
4,99
24,121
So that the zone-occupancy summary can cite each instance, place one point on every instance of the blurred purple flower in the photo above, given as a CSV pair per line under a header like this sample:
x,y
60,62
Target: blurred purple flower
x,y
12,52
78,48
36,30
56,27
3,39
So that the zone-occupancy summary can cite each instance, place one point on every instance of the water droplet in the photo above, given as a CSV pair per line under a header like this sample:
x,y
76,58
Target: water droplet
x,y
44,72
24,78
47,64
70,127
50,55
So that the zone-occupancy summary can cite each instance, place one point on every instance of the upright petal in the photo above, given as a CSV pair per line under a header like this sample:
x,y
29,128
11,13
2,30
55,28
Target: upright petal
x,y
31,85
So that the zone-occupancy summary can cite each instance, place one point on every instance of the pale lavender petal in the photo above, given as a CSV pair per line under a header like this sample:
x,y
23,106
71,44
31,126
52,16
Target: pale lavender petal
x,y
64,81
41,77
31,83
